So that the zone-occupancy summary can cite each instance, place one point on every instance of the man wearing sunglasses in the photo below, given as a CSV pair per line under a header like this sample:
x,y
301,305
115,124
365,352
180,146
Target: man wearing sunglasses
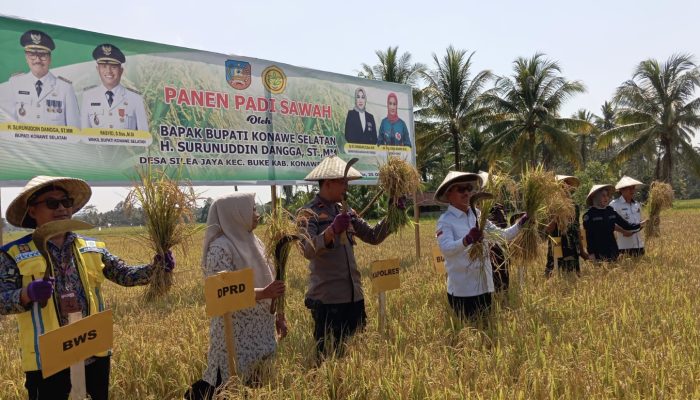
x,y
79,266
39,97
469,282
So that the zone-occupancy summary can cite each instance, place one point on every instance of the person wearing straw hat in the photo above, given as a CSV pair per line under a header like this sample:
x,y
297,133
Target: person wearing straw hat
x,y
80,265
111,105
334,293
469,282
631,243
38,96
600,221
571,245
229,245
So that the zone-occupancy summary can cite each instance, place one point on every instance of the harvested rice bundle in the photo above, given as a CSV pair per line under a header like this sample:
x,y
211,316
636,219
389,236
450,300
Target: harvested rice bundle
x,y
487,200
398,178
281,233
498,188
660,198
168,212
560,205
537,189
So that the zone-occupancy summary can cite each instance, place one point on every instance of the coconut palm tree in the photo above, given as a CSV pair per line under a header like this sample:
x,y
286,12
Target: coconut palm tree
x,y
393,67
525,121
584,137
453,96
657,112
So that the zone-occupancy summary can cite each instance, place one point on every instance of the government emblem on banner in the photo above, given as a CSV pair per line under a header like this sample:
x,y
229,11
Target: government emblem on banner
x,y
274,79
238,74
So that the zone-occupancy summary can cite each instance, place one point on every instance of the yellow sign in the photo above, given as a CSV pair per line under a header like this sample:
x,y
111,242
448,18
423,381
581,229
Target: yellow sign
x,y
229,291
65,346
385,275
557,251
438,260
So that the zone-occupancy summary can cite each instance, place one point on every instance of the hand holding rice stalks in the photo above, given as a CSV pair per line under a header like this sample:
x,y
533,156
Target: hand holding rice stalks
x,y
543,199
499,188
398,178
168,211
283,231
660,198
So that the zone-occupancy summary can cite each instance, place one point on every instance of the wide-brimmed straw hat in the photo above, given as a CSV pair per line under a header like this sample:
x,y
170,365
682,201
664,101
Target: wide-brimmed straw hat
x,y
452,178
78,189
594,189
626,181
569,180
332,167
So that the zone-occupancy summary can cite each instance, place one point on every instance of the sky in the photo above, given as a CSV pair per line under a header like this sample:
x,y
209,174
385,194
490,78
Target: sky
x,y
596,42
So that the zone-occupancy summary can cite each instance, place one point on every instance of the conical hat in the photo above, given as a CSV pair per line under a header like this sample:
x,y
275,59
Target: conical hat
x,y
452,178
569,180
78,189
595,188
332,167
626,181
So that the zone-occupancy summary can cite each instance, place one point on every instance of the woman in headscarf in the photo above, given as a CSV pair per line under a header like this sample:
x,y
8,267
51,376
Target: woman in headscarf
x,y
359,124
571,246
392,130
229,245
599,222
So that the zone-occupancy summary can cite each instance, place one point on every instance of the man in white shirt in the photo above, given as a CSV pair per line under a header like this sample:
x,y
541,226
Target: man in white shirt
x,y
629,242
38,96
469,282
111,105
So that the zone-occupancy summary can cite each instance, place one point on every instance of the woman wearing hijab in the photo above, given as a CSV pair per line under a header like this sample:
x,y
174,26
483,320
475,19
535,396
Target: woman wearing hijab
x,y
359,124
599,222
571,246
229,245
392,130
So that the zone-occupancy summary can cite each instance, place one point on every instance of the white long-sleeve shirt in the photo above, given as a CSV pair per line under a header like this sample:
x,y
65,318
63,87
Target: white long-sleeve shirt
x,y
467,277
632,213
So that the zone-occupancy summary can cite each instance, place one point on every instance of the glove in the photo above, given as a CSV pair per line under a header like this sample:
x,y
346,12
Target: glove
x,y
168,264
41,290
473,236
340,223
523,220
401,203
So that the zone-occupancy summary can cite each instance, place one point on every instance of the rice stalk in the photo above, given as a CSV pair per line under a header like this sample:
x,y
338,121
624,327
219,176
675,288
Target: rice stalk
x,y
660,198
398,178
168,210
498,188
282,231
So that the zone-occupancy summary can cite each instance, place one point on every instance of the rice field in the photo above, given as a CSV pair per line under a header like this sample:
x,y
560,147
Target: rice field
x,y
626,331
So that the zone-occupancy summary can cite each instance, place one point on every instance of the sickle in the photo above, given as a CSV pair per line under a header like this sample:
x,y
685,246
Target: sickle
x,y
45,232
348,165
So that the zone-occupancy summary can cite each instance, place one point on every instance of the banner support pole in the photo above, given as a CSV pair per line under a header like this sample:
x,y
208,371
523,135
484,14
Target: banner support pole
x,y
416,217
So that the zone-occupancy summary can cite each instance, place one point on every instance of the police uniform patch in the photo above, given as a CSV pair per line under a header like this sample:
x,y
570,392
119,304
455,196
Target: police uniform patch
x,y
438,233
23,248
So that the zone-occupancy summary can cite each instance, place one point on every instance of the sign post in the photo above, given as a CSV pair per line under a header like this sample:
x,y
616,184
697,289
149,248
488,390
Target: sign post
x,y
384,276
225,293
438,260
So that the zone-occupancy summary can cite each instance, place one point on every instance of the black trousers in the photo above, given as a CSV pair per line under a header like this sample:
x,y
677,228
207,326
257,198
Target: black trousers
x,y
335,322
58,386
472,307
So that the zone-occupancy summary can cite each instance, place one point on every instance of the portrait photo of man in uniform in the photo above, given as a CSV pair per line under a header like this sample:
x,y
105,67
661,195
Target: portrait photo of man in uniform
x,y
38,96
110,105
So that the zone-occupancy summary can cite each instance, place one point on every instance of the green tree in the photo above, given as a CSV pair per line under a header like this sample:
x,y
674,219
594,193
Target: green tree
x,y
586,137
453,97
393,67
657,114
525,121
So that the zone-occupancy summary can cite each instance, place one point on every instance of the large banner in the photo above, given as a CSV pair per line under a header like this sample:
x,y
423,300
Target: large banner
x,y
99,107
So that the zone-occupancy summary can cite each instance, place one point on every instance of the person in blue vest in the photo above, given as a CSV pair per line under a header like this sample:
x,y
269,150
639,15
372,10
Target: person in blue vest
x,y
393,131
80,266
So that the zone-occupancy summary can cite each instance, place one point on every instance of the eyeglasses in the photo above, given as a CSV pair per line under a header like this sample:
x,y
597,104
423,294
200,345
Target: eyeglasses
x,y
465,188
52,204
35,54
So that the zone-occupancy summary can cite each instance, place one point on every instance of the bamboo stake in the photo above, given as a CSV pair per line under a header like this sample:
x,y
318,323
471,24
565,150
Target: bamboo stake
x,y
77,371
230,344
416,217
382,312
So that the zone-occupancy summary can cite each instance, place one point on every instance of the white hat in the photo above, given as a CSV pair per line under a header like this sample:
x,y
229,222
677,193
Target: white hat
x,y
484,177
78,189
332,167
595,188
626,181
452,178
569,180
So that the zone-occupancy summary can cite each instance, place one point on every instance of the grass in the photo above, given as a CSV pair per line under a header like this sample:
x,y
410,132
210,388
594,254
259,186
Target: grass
x,y
626,331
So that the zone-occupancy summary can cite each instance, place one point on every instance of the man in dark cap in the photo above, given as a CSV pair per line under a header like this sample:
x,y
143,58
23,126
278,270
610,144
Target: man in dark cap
x,y
38,96
111,105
